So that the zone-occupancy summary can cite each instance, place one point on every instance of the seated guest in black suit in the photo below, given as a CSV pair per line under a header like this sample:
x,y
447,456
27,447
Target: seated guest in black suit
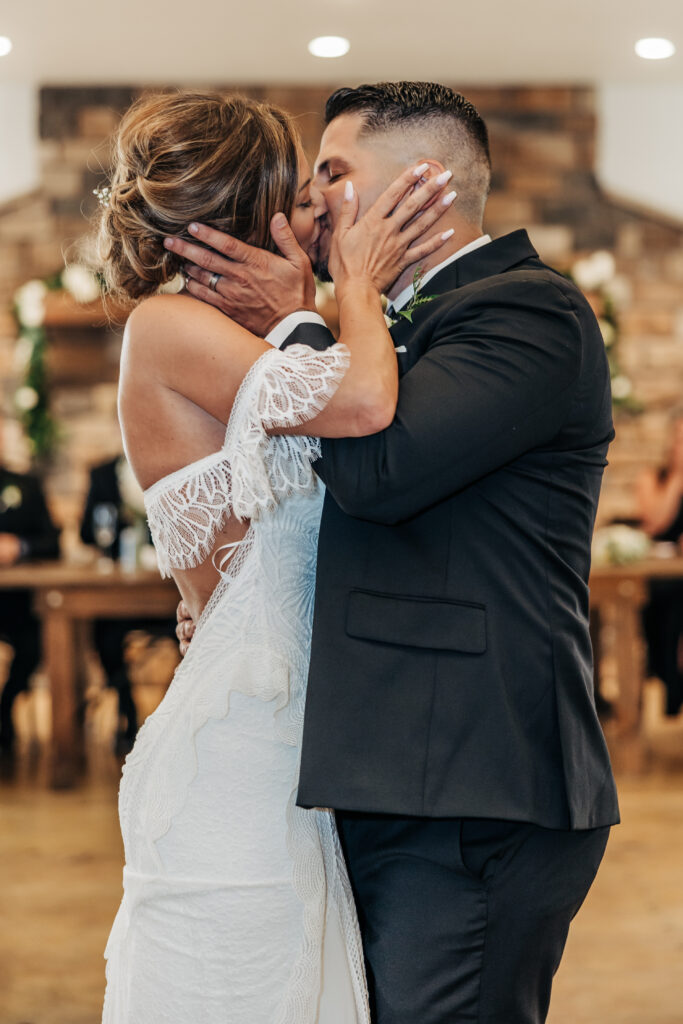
x,y
111,483
660,498
26,532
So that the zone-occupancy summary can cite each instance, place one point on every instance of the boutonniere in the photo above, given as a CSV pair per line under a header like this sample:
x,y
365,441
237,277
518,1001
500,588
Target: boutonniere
x,y
10,497
417,299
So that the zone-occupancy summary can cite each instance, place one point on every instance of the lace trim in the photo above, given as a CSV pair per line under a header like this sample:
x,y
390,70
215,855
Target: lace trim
x,y
253,472
343,899
320,880
185,519
282,389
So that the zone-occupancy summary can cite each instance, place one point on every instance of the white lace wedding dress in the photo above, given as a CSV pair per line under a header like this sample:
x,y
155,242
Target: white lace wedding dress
x,y
236,906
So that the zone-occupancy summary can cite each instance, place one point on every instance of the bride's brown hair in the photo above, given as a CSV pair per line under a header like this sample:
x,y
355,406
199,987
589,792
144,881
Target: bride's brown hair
x,y
227,161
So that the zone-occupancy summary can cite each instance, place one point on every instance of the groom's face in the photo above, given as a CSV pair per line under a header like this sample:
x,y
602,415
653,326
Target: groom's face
x,y
371,162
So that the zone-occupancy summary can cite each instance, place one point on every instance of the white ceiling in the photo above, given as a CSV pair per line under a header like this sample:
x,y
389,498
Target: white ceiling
x,y
477,41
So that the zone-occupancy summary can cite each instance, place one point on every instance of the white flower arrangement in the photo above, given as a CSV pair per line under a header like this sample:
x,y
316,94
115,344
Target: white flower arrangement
x,y
593,272
81,283
29,302
621,387
23,350
26,398
609,334
596,275
619,544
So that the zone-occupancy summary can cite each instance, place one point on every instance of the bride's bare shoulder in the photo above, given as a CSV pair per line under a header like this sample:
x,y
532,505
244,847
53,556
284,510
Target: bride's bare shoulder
x,y
165,319
175,343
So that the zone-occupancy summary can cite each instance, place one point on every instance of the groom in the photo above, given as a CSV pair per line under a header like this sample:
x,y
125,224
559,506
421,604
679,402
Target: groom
x,y
450,718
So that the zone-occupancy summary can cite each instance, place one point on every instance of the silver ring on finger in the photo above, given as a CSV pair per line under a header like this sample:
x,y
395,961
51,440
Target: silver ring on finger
x,y
213,281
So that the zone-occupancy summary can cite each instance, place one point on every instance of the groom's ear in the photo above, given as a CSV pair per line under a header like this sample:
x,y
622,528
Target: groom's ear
x,y
435,168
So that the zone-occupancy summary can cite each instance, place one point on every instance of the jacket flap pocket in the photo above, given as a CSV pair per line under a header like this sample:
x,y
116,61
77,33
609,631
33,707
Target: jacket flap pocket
x,y
417,622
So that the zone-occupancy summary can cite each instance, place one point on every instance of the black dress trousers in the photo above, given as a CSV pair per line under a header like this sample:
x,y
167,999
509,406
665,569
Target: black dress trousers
x,y
464,920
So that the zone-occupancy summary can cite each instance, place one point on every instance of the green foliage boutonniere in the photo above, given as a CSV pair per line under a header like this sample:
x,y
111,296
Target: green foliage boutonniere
x,y
416,300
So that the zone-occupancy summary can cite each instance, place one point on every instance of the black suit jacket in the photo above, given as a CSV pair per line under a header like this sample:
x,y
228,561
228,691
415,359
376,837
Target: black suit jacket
x,y
451,667
27,516
103,489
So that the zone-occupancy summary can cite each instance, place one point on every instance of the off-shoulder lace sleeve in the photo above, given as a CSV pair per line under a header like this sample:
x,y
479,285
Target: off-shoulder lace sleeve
x,y
282,389
253,471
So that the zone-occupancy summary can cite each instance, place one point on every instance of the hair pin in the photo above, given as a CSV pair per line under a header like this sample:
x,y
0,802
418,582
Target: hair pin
x,y
103,194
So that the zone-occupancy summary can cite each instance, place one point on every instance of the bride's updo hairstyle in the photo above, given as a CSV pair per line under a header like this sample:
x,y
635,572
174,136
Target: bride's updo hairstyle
x,y
226,161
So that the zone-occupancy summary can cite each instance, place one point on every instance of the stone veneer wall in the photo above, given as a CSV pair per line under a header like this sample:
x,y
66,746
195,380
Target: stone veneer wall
x,y
543,147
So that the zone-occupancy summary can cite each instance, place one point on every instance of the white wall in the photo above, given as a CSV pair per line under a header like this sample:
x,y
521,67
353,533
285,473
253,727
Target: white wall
x,y
640,144
18,139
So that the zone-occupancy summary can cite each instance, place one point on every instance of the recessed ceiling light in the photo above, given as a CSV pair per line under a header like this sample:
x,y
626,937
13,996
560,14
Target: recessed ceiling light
x,y
329,46
655,49
5,46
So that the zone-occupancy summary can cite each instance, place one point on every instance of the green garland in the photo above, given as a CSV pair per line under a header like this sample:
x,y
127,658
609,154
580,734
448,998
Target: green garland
x,y
32,396
624,401
39,424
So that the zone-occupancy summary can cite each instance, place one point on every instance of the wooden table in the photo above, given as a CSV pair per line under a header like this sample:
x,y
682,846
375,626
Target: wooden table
x,y
66,597
620,592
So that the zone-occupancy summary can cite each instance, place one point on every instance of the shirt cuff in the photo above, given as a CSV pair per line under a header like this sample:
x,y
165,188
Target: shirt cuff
x,y
283,330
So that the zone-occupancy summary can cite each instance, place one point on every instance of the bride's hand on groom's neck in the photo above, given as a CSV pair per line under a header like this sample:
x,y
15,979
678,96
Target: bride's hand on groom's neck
x,y
254,287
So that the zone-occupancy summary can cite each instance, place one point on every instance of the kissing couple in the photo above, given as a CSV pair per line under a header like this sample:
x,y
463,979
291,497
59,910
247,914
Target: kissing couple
x,y
377,788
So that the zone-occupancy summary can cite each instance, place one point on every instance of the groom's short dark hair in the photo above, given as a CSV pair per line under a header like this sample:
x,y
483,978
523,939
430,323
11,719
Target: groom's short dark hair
x,y
447,115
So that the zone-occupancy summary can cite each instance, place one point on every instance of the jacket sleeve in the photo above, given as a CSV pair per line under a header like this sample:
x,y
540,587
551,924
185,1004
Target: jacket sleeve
x,y
316,336
497,381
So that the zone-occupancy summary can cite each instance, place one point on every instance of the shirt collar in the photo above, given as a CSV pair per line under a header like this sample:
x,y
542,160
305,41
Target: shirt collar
x,y
407,293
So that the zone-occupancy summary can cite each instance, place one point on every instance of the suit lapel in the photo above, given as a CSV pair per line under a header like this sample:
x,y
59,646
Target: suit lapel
x,y
489,260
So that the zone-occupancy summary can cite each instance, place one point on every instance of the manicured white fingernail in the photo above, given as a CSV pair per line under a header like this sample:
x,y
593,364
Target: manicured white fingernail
x,y
447,234
193,228
444,177
348,191
447,200
420,170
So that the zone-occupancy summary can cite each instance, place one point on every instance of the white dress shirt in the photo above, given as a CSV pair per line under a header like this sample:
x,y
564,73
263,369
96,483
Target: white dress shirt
x,y
403,297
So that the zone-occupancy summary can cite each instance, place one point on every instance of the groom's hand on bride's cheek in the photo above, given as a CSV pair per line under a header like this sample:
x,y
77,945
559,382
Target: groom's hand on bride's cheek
x,y
255,287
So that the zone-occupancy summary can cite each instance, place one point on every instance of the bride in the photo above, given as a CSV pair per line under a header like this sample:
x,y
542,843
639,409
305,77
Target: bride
x,y
236,903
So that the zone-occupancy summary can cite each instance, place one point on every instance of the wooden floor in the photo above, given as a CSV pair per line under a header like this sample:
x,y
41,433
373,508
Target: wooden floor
x,y
60,885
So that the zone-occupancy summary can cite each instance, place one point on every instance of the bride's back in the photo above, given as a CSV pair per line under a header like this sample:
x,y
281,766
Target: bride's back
x,y
223,160
163,428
